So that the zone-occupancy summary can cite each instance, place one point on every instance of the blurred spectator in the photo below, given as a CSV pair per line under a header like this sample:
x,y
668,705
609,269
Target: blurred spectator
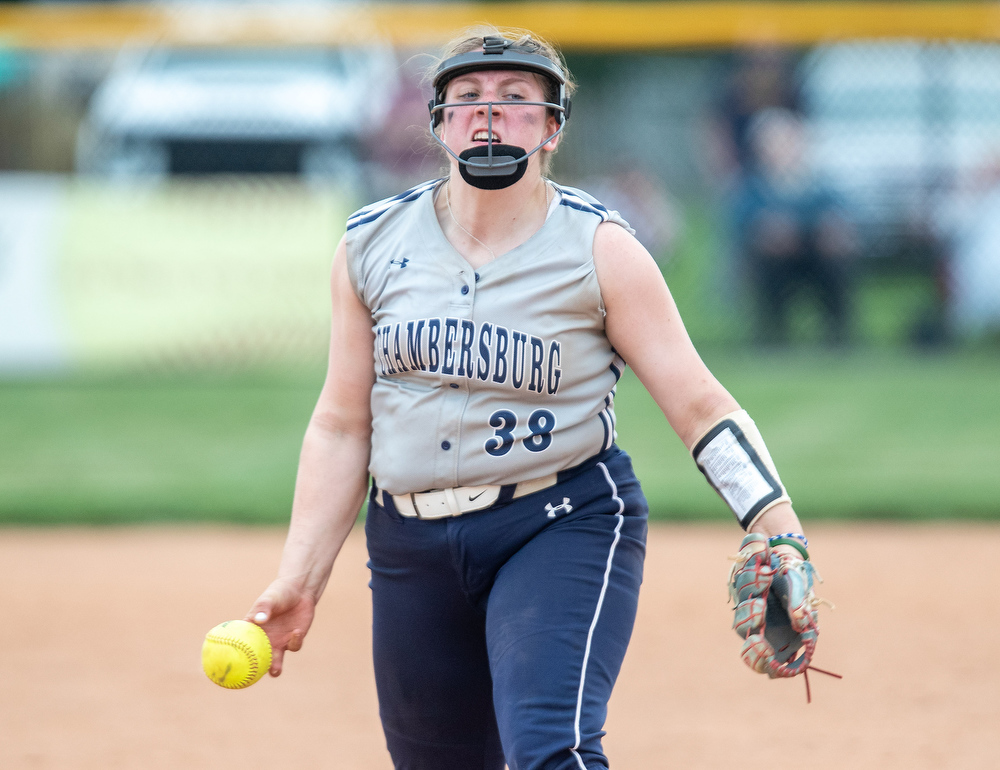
x,y
647,205
762,77
791,230
974,285
400,152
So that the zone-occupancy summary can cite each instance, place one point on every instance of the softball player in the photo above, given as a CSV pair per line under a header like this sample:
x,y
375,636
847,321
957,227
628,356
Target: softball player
x,y
480,324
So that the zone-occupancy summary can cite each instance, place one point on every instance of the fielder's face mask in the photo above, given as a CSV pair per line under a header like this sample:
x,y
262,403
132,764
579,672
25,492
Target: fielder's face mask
x,y
495,166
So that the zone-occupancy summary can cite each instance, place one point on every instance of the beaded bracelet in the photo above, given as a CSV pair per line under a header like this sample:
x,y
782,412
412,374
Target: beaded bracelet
x,y
786,540
796,535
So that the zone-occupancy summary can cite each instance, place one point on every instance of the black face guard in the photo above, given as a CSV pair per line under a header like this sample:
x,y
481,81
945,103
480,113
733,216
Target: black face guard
x,y
496,166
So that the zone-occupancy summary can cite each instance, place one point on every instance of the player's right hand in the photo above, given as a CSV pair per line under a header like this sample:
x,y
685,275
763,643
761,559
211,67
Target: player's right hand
x,y
285,612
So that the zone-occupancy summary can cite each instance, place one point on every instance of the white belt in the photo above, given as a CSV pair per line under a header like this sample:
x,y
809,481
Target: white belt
x,y
441,503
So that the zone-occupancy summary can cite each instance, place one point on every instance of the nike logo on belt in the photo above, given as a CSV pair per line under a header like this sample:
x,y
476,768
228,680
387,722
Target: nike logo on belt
x,y
479,495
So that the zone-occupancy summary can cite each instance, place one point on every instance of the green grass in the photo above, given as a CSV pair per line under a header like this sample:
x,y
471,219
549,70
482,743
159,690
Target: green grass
x,y
868,435
880,435
102,450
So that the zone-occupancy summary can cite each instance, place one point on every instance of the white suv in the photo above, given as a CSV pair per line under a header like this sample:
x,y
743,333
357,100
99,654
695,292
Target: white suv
x,y
296,111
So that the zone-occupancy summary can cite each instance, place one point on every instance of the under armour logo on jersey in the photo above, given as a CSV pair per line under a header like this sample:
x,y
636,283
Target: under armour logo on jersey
x,y
401,262
565,507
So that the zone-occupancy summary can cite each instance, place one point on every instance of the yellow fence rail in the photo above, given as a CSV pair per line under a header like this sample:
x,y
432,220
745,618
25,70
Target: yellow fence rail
x,y
595,26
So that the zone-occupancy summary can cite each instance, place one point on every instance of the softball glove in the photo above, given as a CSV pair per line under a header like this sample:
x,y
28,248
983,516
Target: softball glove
x,y
775,609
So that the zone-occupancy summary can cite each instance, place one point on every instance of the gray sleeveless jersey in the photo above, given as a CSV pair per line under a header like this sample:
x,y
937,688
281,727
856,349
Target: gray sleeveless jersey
x,y
487,376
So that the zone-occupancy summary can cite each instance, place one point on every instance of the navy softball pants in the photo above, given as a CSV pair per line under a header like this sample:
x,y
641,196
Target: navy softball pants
x,y
498,635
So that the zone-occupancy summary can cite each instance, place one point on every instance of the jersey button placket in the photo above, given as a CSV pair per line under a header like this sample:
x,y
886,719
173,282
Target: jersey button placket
x,y
451,427
466,288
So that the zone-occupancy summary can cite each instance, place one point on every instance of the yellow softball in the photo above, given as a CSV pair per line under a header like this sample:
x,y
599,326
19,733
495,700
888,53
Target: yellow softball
x,y
236,654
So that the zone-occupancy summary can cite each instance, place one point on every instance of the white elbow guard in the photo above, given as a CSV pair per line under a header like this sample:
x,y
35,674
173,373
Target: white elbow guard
x,y
736,463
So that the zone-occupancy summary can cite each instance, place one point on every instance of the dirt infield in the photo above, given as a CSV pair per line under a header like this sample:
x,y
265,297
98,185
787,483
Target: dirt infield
x,y
102,629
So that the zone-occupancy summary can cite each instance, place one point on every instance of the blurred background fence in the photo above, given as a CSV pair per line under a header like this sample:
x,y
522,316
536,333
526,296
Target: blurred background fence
x,y
819,182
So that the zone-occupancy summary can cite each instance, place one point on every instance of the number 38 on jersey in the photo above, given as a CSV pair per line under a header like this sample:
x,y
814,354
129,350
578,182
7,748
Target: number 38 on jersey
x,y
541,423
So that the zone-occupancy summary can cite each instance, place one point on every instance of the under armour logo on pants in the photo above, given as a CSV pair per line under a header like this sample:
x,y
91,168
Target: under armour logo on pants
x,y
565,507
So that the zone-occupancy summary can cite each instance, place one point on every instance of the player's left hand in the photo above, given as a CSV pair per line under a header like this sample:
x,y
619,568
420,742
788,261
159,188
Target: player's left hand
x,y
285,611
775,608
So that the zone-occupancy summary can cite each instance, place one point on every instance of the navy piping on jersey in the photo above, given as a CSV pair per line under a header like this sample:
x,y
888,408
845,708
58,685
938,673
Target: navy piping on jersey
x,y
607,416
578,203
375,210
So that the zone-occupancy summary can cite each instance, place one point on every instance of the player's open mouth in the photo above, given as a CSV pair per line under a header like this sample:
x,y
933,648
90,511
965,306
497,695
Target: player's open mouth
x,y
484,136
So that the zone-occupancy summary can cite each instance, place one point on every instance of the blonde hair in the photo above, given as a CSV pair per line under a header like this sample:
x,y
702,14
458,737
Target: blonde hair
x,y
471,39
